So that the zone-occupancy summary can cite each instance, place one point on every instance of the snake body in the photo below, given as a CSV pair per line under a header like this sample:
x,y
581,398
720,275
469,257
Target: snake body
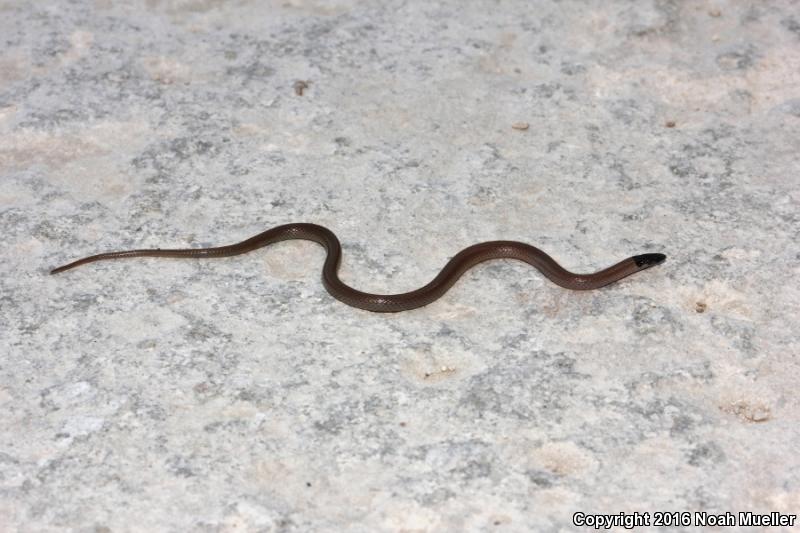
x,y
390,303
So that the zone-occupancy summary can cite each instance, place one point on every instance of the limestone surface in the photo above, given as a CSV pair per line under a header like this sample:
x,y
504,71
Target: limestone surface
x,y
237,395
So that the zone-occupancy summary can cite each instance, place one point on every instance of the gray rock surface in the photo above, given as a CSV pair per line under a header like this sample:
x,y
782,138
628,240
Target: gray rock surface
x,y
237,395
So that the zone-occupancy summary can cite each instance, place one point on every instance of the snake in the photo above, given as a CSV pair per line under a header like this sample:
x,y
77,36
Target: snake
x,y
392,303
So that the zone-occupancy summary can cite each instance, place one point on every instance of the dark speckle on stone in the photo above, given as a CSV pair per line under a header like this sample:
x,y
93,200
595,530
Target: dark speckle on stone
x,y
736,59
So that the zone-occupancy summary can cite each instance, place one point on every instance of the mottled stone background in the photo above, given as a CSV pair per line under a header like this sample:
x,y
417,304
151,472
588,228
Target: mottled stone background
x,y
237,395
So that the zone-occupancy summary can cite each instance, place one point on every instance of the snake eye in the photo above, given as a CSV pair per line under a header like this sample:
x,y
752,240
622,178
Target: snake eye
x,y
647,260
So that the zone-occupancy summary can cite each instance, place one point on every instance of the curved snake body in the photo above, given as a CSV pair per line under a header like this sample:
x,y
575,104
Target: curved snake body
x,y
390,303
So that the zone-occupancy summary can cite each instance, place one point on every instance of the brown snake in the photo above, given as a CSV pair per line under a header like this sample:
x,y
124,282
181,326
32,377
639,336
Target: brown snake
x,y
391,303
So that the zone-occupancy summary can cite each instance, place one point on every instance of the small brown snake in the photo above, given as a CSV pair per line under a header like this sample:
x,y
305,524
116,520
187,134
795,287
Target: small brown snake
x,y
390,303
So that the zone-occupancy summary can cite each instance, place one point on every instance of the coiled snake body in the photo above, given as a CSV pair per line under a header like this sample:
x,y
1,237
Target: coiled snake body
x,y
390,303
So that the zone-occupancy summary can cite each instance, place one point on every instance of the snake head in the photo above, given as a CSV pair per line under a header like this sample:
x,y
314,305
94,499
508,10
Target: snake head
x,y
648,260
